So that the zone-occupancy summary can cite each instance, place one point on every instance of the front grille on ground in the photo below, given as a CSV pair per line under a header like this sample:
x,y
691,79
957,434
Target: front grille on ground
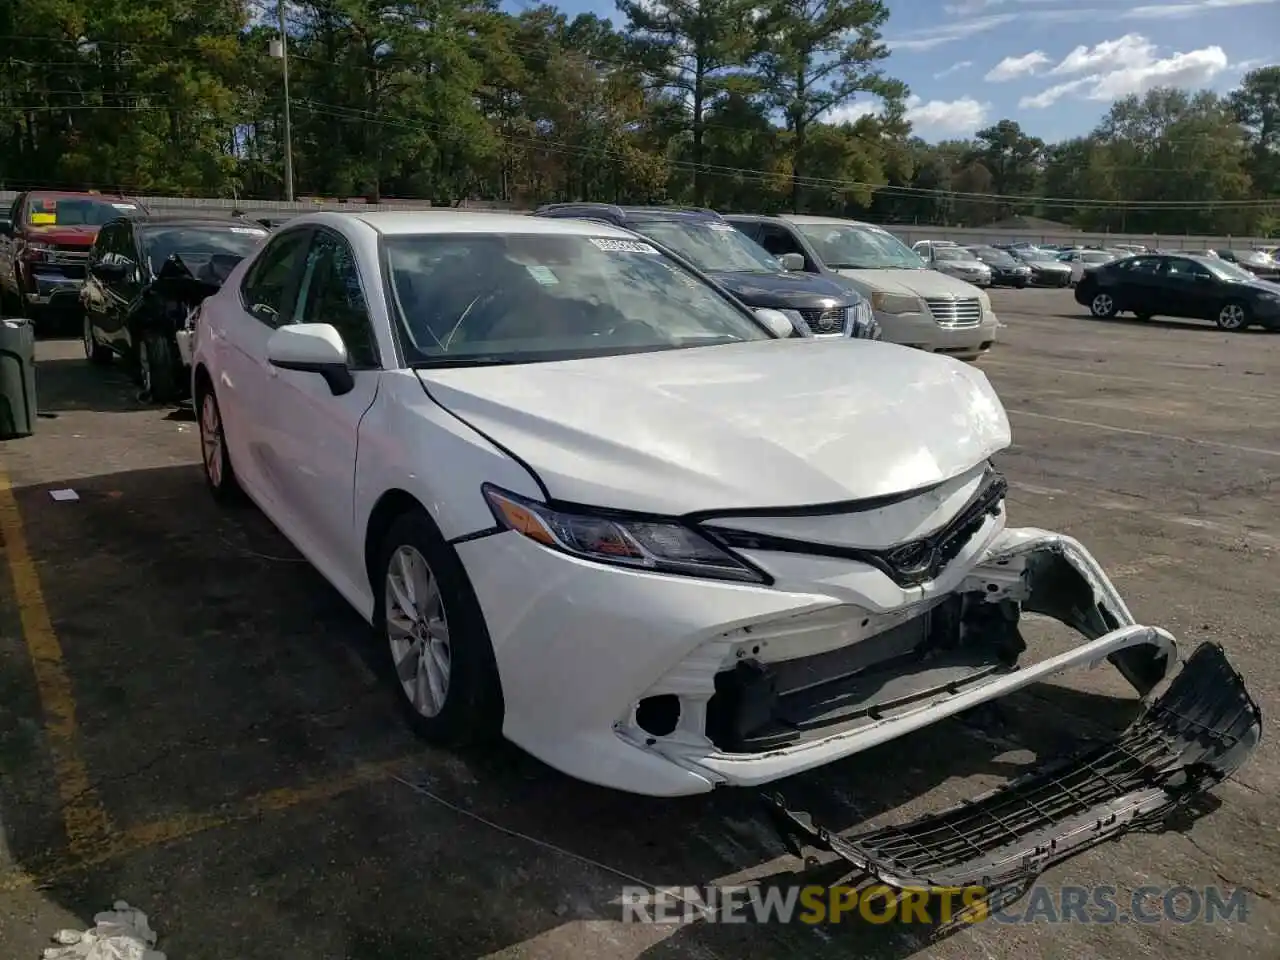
x,y
824,322
1191,739
961,312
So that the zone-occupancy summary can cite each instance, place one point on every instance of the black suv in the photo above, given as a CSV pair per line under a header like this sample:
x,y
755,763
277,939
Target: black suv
x,y
817,306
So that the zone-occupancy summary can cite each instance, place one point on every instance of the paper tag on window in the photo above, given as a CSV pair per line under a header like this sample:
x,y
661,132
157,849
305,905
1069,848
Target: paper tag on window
x,y
722,227
125,206
543,275
623,246
248,230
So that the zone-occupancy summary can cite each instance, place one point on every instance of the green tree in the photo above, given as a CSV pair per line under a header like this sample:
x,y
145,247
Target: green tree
x,y
1256,107
817,55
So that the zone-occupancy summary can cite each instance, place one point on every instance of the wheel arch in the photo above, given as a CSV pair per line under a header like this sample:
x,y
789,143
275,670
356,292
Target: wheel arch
x,y
392,504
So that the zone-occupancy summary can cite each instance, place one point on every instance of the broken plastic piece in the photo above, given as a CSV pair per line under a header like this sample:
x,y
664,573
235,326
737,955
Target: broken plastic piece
x,y
67,494
1192,738
122,933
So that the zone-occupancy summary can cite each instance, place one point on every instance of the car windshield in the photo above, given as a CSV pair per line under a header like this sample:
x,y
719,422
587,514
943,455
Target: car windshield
x,y
75,211
1043,256
710,245
859,247
1096,256
951,253
992,255
198,246
482,298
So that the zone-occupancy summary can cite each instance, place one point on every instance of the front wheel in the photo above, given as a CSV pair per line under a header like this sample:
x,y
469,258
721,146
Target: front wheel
x,y
440,659
1233,316
94,352
1103,306
158,369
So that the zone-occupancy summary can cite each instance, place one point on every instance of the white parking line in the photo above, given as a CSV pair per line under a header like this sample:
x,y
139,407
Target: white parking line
x,y
1217,444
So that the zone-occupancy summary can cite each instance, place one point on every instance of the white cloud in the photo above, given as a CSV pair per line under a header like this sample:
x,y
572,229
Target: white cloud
x,y
931,37
947,116
849,112
1132,48
954,68
1010,68
1169,11
1128,64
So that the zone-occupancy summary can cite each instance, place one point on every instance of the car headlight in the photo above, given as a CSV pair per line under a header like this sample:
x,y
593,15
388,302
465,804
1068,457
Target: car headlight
x,y
862,322
799,322
36,252
654,544
895,303
985,300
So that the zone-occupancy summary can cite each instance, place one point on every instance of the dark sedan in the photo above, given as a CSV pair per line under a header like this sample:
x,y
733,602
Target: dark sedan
x,y
1204,288
1006,269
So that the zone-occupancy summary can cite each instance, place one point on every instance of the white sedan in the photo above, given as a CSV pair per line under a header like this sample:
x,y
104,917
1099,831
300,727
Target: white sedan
x,y
594,504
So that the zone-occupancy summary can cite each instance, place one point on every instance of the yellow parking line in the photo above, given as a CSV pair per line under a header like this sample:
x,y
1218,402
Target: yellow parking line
x,y
83,815
159,832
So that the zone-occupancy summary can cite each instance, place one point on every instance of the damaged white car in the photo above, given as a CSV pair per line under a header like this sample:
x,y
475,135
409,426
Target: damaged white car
x,y
593,504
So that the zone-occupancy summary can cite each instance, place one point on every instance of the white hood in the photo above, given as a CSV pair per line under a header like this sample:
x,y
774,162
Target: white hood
x,y
919,283
762,424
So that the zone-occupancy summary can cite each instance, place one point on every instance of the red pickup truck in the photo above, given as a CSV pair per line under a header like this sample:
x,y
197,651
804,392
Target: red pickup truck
x,y
45,238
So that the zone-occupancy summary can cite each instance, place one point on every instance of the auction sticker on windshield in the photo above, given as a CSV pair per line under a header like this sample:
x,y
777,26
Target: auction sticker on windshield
x,y
722,227
623,246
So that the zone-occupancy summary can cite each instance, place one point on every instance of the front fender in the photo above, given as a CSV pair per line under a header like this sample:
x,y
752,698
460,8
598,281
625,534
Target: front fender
x,y
409,442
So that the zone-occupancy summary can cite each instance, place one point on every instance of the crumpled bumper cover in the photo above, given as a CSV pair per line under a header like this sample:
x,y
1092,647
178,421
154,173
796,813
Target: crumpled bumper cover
x,y
1198,733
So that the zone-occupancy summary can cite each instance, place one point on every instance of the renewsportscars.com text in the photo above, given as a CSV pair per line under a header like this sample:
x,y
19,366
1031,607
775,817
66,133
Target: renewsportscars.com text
x,y
882,904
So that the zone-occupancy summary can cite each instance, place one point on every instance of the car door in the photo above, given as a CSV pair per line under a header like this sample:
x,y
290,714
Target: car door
x,y
239,326
1188,288
312,433
123,293
93,295
1136,285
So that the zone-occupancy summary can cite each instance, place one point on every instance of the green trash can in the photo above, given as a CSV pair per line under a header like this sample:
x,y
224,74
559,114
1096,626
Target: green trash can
x,y
17,378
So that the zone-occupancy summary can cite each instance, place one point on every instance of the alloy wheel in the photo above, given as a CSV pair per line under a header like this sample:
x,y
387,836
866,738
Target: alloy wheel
x,y
418,631
211,439
1231,317
1102,305
88,338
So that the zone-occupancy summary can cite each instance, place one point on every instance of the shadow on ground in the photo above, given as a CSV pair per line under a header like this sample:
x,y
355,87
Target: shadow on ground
x,y
210,664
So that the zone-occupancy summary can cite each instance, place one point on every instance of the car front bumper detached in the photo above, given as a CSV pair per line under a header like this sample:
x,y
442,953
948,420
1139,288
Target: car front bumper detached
x,y
1188,741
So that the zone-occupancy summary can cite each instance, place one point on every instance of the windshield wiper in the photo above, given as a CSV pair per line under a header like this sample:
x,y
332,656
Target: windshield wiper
x,y
852,266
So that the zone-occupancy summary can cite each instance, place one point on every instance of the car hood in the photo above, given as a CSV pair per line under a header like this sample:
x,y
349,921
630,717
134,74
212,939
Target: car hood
x,y
782,291
77,236
920,283
763,424
1052,266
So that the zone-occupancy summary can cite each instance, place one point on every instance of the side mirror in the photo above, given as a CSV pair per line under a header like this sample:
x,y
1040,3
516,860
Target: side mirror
x,y
776,322
109,272
791,261
312,348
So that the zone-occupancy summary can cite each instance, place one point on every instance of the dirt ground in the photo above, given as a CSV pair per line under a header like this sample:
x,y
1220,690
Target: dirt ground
x,y
189,718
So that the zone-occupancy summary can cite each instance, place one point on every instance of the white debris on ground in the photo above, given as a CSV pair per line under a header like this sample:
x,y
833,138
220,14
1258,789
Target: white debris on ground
x,y
121,933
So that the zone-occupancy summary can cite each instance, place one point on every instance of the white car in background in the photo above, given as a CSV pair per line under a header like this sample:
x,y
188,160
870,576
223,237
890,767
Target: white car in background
x,y
1082,261
583,498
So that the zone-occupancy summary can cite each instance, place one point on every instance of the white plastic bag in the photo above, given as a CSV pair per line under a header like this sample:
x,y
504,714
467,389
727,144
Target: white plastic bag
x,y
121,933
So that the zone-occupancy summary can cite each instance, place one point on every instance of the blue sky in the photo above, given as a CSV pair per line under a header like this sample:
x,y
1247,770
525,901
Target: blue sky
x,y
1053,65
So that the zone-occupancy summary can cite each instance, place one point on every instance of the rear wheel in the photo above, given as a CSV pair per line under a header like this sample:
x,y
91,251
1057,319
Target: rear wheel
x,y
218,472
1103,305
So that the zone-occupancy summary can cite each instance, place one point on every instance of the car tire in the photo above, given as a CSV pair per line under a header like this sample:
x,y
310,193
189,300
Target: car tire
x,y
1233,316
158,368
1103,306
94,352
219,475
438,657
1021,284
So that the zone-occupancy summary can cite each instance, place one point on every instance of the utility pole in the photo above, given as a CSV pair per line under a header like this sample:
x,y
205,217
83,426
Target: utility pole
x,y
280,48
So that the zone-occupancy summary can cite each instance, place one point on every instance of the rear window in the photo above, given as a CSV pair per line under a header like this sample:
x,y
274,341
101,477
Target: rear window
x,y
75,211
197,246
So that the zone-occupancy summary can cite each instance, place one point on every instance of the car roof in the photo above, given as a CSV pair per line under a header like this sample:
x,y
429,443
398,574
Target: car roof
x,y
416,222
79,195
177,220
619,214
